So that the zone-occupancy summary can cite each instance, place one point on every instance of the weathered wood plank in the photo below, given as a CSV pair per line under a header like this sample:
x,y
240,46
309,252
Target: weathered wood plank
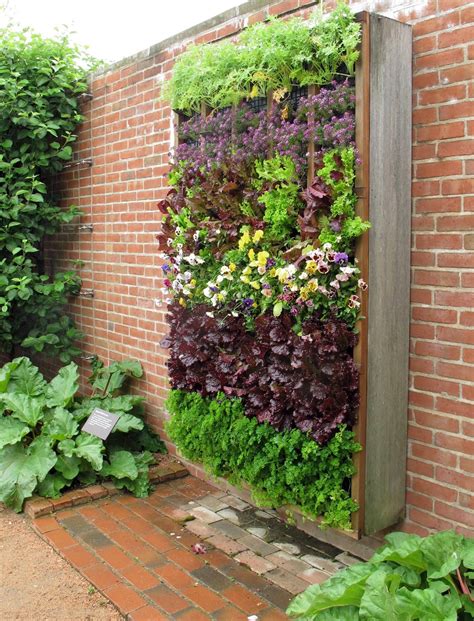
x,y
389,257
362,92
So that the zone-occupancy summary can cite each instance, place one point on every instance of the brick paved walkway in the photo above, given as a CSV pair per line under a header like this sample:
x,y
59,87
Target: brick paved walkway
x,y
138,553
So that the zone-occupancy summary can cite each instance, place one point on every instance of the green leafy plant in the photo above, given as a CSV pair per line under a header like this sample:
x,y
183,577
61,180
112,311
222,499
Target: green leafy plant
x,y
268,56
278,178
41,81
338,173
282,468
410,578
42,447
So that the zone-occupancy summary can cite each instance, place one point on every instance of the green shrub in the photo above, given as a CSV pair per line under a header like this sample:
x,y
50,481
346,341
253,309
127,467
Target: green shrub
x,y
407,579
41,81
42,448
282,468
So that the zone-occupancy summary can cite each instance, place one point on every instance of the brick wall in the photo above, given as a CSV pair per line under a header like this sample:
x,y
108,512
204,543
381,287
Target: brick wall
x,y
127,133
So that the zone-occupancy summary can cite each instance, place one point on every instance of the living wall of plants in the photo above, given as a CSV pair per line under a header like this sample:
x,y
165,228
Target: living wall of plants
x,y
258,241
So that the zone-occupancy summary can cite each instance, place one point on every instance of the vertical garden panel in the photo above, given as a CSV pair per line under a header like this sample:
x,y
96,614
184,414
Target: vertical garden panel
x,y
200,369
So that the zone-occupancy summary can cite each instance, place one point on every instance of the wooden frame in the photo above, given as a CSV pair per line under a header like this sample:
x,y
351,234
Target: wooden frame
x,y
383,187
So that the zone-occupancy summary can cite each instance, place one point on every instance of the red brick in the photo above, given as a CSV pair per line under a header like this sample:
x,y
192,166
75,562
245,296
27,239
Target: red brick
x,y
419,500
420,399
462,73
229,613
422,223
440,131
455,110
204,598
421,365
100,576
455,148
124,598
456,514
147,613
428,520
455,371
46,524
425,80
439,59
420,434
60,538
438,169
79,556
434,421
425,188
423,151
424,116
460,260
454,478
468,355
437,277
456,223
436,24
421,296
436,315
193,615
467,15
435,455
420,467
429,488
141,578
243,599
174,576
114,557
456,37
185,559
425,241
451,406
456,335
466,464
455,298
455,443
438,350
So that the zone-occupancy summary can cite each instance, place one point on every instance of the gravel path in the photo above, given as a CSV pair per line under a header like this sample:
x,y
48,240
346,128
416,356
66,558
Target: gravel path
x,y
36,583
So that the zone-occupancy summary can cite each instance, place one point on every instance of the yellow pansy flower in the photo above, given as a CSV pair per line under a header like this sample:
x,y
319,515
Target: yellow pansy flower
x,y
257,236
232,267
254,284
262,258
244,240
251,254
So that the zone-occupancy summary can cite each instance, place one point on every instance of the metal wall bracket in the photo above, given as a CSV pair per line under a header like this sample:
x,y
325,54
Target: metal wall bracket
x,y
87,161
85,293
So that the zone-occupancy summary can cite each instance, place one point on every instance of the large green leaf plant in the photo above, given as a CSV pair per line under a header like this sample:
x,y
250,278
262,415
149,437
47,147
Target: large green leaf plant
x,y
42,447
410,578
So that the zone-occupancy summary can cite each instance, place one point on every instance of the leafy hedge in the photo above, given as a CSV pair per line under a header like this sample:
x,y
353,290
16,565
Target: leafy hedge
x,y
42,448
41,81
409,578
281,467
